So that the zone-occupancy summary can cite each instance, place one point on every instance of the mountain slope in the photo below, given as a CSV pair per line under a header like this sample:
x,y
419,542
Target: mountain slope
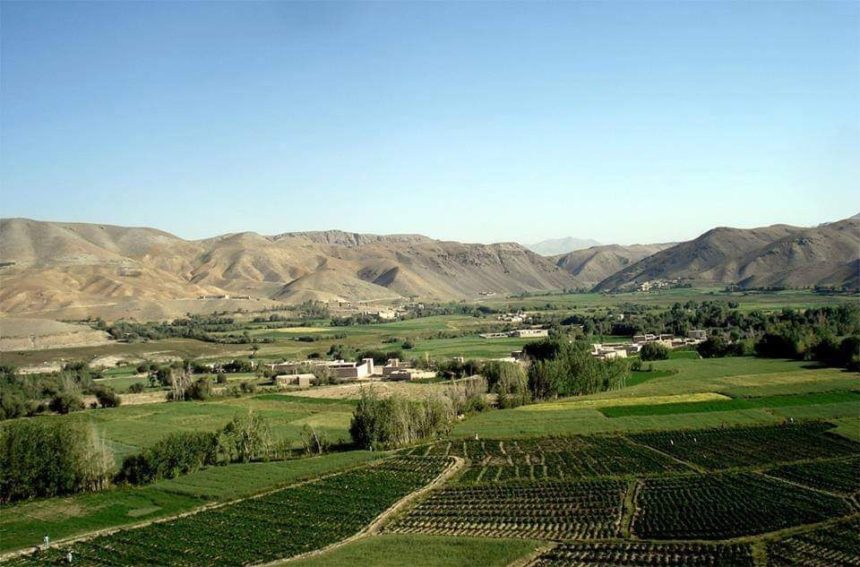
x,y
597,263
68,267
556,246
779,255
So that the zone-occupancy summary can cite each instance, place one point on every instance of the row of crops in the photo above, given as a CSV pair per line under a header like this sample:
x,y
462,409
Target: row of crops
x,y
833,546
546,510
839,476
711,507
562,458
644,554
721,506
282,524
661,454
717,449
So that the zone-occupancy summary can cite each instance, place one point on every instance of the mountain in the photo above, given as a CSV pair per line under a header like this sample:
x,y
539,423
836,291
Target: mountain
x,y
595,264
74,270
774,256
556,246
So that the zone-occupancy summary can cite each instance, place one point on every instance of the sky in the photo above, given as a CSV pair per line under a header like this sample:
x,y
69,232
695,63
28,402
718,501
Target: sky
x,y
481,122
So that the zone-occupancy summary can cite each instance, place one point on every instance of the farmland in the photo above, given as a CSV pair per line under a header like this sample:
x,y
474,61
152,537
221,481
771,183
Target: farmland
x,y
647,554
298,519
722,461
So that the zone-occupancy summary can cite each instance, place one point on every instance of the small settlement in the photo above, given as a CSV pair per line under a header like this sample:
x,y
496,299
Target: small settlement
x,y
303,373
608,351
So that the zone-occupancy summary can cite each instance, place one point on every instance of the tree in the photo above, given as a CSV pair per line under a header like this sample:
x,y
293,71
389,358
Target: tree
x,y
314,442
654,351
42,458
513,386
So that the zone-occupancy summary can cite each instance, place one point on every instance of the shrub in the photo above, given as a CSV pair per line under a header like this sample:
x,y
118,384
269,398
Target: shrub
x,y
65,402
200,389
136,388
107,397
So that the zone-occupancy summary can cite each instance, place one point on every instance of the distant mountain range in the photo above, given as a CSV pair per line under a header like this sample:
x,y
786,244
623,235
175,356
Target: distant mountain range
x,y
69,270
556,246
773,256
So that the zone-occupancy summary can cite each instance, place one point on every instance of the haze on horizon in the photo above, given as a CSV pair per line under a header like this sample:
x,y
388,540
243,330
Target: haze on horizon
x,y
621,122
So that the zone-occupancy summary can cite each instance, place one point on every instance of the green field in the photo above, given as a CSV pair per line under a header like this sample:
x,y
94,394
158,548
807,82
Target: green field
x,y
730,377
852,398
25,524
750,454
129,428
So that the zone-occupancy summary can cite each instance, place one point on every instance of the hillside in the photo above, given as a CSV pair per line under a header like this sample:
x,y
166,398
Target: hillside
x,y
72,270
556,246
779,255
595,264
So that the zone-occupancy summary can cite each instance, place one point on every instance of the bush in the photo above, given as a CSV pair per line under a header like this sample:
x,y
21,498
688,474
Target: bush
x,y
654,351
200,390
65,402
106,397
248,387
136,388
221,378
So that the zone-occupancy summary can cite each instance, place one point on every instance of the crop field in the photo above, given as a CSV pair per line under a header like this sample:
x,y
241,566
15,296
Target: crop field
x,y
832,546
839,476
642,554
557,458
725,448
722,506
281,524
556,510
25,523
820,398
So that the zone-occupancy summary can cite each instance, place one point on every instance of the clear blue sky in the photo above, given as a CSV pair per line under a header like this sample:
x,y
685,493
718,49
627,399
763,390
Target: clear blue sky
x,y
624,122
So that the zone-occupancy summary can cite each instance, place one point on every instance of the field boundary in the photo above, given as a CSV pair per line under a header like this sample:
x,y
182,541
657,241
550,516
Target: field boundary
x,y
373,528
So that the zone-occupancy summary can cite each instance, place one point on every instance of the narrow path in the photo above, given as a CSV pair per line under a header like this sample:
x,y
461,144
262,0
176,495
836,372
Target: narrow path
x,y
374,527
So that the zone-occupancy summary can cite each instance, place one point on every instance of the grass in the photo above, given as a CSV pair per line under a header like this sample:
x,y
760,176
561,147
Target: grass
x,y
732,404
640,376
129,428
714,378
427,551
26,523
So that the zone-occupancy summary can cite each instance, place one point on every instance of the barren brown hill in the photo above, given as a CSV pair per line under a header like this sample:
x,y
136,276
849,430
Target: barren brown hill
x,y
779,255
73,270
595,264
